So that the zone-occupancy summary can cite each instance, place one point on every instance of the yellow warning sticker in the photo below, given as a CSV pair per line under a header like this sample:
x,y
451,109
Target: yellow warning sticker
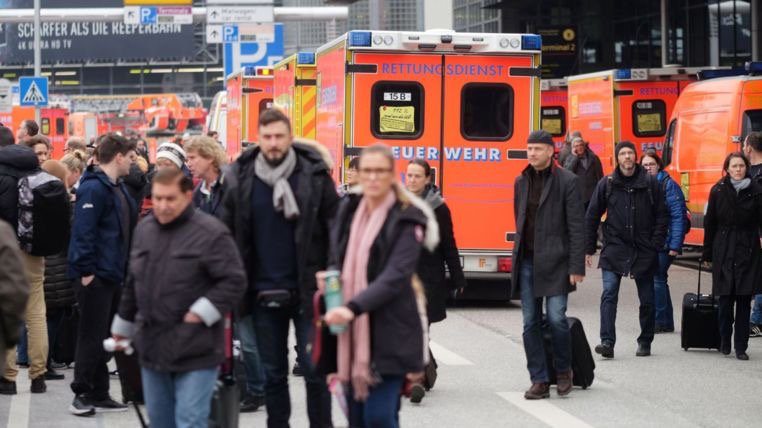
x,y
649,122
396,119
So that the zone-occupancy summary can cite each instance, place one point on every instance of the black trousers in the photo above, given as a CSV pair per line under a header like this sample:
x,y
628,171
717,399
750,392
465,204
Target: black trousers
x,y
98,303
742,309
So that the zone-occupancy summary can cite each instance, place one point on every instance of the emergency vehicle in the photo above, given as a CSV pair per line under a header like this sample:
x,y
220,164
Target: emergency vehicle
x,y
295,92
249,92
83,125
216,121
625,104
554,105
53,124
465,102
710,120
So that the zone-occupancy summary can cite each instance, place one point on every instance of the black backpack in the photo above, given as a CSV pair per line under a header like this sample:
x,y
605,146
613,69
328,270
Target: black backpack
x,y
44,214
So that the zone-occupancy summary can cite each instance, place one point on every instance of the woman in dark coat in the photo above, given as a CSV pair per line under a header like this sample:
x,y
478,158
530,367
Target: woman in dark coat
x,y
376,240
431,266
731,244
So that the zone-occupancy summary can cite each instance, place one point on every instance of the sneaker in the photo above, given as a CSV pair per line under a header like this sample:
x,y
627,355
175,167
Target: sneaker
x,y
606,350
417,392
52,374
7,387
643,350
252,403
755,330
297,371
743,356
81,406
108,405
538,391
57,366
38,385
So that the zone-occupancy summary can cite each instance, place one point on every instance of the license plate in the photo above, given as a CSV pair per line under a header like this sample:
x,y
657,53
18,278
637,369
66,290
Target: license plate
x,y
480,263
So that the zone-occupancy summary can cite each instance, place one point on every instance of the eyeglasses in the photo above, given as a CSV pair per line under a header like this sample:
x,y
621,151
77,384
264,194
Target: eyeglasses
x,y
374,171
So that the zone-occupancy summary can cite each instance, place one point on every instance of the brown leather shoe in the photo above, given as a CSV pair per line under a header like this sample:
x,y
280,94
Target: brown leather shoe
x,y
564,385
538,391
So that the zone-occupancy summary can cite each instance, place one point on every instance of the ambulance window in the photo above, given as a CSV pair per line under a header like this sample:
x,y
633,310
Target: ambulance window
x,y
59,126
752,121
486,111
553,120
396,110
45,128
649,118
669,143
265,104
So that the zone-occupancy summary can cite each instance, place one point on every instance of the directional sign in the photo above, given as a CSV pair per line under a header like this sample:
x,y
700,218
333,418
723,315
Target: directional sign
x,y
232,33
237,2
157,2
33,91
214,33
259,53
239,14
6,95
150,15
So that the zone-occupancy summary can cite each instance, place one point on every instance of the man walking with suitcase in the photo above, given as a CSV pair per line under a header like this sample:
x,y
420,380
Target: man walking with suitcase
x,y
634,231
548,259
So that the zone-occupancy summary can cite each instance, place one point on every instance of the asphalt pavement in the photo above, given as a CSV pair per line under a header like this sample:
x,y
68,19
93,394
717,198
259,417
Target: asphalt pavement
x,y
483,374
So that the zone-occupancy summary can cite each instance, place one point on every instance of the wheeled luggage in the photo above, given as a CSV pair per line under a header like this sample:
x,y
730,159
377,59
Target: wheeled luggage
x,y
226,400
583,364
700,322
129,377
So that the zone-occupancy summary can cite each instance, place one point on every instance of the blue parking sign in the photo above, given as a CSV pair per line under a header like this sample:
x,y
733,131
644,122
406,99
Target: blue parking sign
x,y
230,33
33,91
148,15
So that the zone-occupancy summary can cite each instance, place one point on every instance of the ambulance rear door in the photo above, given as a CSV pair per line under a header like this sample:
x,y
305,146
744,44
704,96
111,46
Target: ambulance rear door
x,y
397,101
592,112
490,104
645,107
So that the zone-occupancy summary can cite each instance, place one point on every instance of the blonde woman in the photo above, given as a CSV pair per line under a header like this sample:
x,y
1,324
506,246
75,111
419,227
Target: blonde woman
x,y
75,162
205,160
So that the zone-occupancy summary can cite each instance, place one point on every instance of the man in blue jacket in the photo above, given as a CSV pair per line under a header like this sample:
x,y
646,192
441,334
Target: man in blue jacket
x,y
104,216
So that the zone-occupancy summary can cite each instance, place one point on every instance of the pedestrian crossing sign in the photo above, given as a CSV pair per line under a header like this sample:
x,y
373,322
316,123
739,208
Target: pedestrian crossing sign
x,y
33,91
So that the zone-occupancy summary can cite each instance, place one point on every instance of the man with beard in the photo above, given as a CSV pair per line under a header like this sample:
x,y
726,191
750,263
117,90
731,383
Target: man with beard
x,y
278,206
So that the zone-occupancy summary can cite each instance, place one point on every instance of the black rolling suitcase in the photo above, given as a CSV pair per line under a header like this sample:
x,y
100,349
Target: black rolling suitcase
x,y
226,400
583,364
700,322
132,384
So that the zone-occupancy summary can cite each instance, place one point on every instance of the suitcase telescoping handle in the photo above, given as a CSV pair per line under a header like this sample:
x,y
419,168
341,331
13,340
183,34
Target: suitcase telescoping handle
x,y
698,291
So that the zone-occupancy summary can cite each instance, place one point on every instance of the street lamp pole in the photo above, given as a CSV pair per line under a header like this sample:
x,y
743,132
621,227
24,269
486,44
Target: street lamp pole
x,y
37,53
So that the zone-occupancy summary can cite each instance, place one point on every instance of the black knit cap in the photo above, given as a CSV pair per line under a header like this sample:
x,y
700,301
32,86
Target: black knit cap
x,y
621,145
540,137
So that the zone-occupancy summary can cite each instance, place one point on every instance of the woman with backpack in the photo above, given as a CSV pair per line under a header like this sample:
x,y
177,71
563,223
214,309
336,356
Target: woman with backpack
x,y
731,244
376,241
675,201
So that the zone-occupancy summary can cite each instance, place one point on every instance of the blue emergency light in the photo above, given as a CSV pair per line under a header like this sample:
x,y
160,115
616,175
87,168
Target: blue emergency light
x,y
305,58
531,42
359,38
754,67
623,74
713,74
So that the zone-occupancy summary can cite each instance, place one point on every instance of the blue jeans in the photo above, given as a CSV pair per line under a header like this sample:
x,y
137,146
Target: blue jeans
x,y
610,298
381,408
21,354
178,400
534,346
255,373
756,313
271,325
662,298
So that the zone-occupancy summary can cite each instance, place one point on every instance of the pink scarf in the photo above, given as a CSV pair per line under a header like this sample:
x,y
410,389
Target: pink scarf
x,y
354,342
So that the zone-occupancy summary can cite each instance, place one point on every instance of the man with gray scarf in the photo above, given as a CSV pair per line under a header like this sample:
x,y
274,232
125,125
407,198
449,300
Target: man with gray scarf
x,y
278,207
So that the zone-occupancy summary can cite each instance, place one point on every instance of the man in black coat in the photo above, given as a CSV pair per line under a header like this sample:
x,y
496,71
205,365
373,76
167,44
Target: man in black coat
x,y
633,233
279,203
185,275
586,165
548,259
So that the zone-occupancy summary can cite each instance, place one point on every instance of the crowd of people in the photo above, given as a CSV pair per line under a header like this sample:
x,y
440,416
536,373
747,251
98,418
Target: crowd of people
x,y
158,257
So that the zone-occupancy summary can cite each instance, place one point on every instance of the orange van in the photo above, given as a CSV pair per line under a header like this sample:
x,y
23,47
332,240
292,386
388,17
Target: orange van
x,y
710,120
465,102
625,104
554,106
295,92
249,92
54,124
